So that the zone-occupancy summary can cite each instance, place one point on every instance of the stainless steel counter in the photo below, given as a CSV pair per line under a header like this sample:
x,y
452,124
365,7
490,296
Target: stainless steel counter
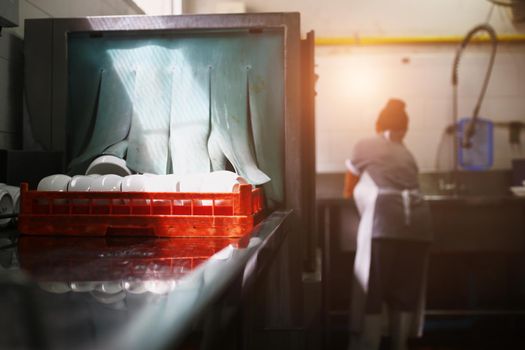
x,y
124,294
461,223
474,199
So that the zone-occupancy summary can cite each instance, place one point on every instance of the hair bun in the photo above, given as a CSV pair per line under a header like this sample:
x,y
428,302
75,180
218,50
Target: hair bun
x,y
393,116
395,104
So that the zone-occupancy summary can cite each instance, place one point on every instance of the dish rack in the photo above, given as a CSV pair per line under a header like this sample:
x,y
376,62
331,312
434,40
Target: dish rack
x,y
160,214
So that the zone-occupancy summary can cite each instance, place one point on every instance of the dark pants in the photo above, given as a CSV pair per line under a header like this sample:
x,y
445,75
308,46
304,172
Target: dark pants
x,y
397,270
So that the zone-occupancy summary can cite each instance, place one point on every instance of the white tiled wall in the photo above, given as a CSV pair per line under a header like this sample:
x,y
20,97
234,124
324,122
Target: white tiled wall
x,y
354,83
335,18
160,7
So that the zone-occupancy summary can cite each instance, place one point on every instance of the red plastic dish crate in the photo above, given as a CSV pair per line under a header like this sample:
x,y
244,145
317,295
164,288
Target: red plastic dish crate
x,y
163,214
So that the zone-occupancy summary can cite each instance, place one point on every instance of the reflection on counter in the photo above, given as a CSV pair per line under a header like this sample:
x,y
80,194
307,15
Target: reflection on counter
x,y
131,293
110,268
100,292
77,260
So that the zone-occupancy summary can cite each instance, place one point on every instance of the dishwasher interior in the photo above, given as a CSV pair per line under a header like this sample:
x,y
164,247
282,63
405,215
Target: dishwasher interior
x,y
179,94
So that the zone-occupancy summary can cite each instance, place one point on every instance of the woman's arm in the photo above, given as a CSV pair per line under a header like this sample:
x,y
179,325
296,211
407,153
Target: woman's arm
x,y
350,182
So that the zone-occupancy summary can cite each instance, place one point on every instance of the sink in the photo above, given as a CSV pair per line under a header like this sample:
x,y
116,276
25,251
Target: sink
x,y
468,184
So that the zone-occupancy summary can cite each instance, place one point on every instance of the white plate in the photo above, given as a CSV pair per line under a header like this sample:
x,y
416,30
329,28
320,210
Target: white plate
x,y
518,190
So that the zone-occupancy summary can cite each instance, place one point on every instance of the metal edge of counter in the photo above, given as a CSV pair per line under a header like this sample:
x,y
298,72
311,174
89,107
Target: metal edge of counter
x,y
168,330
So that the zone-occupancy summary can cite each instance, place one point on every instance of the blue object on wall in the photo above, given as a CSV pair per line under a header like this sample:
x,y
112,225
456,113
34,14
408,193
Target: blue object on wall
x,y
479,156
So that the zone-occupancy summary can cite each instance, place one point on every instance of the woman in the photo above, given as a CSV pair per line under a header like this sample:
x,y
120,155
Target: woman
x,y
393,237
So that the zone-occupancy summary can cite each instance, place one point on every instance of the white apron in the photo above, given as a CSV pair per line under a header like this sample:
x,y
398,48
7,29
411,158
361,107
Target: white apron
x,y
365,195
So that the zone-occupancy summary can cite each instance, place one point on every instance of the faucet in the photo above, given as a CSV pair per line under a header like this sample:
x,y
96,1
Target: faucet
x,y
470,129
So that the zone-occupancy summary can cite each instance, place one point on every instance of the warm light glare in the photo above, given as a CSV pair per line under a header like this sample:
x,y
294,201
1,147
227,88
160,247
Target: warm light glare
x,y
362,81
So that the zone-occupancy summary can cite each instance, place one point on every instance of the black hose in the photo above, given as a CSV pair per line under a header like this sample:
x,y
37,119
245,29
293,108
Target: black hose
x,y
470,129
